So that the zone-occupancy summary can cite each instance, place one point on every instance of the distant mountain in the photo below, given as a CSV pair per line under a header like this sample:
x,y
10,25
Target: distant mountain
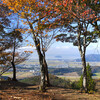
x,y
58,56
90,58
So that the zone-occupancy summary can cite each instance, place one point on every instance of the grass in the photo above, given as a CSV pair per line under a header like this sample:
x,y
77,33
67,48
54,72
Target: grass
x,y
54,80
71,78
7,73
97,74
76,78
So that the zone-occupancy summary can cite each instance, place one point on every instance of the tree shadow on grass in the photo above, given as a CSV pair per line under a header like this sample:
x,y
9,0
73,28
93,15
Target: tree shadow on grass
x,y
13,85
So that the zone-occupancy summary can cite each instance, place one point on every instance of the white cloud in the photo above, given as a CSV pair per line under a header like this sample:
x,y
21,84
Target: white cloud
x,y
26,48
63,47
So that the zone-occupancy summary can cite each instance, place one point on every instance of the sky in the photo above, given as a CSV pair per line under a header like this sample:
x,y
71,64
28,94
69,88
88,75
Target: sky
x,y
65,50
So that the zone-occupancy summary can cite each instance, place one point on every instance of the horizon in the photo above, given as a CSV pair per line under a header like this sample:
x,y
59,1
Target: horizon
x,y
65,50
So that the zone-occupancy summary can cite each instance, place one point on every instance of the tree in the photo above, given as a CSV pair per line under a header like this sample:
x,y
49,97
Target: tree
x,y
33,13
16,38
4,41
75,17
8,41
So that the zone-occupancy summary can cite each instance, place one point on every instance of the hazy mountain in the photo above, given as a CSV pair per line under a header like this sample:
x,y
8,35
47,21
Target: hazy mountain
x,y
58,56
91,58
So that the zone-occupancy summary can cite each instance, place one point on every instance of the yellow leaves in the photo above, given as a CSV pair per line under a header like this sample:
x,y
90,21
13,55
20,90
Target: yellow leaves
x,y
9,13
38,45
22,14
42,20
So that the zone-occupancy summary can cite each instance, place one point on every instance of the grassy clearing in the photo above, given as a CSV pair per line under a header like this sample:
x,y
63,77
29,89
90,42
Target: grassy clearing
x,y
97,74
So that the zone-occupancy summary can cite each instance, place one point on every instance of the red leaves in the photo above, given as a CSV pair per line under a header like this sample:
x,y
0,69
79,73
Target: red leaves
x,y
36,5
84,5
57,39
65,3
95,1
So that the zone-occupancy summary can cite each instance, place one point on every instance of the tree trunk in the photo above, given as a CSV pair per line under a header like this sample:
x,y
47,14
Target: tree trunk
x,y
46,73
82,50
14,72
13,64
84,84
42,67
37,44
42,83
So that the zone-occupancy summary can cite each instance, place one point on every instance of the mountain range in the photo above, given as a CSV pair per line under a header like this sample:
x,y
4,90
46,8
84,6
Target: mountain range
x,y
90,58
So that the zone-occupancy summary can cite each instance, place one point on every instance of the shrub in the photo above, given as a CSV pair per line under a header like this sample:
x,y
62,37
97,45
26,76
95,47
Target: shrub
x,y
90,82
75,85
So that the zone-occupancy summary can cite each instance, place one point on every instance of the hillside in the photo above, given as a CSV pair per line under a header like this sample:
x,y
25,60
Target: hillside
x,y
23,91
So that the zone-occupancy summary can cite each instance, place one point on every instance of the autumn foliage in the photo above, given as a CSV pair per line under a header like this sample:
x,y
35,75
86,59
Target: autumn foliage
x,y
44,18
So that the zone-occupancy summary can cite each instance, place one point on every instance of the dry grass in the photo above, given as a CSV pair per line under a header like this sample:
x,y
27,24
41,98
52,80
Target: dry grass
x,y
21,91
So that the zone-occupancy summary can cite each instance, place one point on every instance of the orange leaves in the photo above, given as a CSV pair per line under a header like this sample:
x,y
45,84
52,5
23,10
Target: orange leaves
x,y
28,51
65,3
26,40
32,45
46,35
43,49
9,13
96,19
31,51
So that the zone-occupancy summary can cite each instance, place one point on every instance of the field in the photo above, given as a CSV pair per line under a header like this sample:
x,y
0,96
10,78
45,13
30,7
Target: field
x,y
24,75
19,75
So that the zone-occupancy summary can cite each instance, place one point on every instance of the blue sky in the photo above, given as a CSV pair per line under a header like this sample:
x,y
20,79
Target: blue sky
x,y
66,50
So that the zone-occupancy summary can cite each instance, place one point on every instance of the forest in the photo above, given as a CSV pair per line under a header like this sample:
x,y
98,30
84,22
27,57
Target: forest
x,y
40,23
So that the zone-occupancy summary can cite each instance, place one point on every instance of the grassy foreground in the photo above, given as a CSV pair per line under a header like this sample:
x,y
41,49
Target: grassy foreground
x,y
10,90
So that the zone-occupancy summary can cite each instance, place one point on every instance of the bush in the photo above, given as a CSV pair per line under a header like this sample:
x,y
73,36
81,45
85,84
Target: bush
x,y
90,82
54,81
75,85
